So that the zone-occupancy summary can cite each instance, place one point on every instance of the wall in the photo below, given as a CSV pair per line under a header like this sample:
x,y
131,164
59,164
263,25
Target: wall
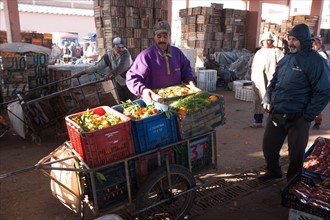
x,y
46,23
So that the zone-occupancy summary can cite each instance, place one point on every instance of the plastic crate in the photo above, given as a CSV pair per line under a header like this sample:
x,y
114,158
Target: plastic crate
x,y
290,200
200,153
319,140
145,165
244,93
299,215
114,189
241,83
207,80
102,146
154,131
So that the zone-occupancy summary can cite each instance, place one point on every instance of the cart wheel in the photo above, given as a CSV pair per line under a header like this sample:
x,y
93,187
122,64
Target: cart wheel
x,y
158,199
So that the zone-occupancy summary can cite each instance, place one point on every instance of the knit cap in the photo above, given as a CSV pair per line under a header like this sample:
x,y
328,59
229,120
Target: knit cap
x,y
162,27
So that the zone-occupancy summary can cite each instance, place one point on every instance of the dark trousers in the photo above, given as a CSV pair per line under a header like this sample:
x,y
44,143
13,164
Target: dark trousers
x,y
297,132
123,93
258,118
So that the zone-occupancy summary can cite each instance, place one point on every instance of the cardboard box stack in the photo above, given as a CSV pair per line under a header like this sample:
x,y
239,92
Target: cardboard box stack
x,y
131,20
212,29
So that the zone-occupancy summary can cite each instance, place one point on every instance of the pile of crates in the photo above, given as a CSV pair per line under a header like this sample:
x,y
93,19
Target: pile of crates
x,y
310,205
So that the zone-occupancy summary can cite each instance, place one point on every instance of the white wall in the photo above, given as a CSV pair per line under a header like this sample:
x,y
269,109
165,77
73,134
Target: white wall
x,y
47,23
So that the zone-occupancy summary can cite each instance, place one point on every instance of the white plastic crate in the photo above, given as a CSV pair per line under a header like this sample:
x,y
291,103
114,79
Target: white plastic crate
x,y
244,93
299,215
207,80
240,83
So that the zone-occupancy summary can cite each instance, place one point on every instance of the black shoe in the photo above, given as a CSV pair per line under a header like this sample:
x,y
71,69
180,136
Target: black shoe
x,y
269,176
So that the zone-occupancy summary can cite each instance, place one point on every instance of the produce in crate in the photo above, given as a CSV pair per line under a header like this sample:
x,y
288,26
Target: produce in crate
x,y
326,183
318,161
174,91
90,121
135,111
192,103
315,196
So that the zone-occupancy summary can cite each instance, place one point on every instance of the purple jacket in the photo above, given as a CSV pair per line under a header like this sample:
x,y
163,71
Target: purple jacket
x,y
150,69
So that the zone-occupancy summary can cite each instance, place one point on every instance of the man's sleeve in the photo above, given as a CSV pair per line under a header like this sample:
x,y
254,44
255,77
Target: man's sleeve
x,y
136,75
123,65
97,68
320,83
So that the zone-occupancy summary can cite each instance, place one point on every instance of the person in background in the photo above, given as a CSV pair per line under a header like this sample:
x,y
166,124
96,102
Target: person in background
x,y
297,93
66,49
263,66
113,66
73,49
211,63
318,46
161,65
224,76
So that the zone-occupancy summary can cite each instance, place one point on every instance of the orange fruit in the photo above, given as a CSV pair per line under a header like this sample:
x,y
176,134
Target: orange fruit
x,y
213,98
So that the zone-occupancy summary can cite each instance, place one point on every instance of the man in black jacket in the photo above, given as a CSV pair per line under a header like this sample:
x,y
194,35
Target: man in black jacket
x,y
299,91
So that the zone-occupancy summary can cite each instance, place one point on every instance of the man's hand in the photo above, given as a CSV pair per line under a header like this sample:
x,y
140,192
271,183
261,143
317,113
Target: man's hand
x,y
78,74
192,86
107,77
266,106
148,94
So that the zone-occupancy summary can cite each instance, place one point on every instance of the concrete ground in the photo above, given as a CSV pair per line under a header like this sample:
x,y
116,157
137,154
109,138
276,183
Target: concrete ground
x,y
232,191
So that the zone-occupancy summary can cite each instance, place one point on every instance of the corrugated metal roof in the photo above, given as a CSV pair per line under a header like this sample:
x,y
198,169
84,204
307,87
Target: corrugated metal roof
x,y
52,10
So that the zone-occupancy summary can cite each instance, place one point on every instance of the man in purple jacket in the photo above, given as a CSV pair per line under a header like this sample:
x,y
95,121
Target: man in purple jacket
x,y
161,65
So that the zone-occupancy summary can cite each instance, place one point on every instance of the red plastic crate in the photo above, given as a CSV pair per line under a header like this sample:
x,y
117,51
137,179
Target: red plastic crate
x,y
102,146
145,165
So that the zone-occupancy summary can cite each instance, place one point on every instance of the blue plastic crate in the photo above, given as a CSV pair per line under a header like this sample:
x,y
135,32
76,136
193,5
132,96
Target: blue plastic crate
x,y
152,132
114,189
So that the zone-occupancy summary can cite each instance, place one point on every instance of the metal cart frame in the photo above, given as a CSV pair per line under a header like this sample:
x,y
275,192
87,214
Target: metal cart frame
x,y
166,172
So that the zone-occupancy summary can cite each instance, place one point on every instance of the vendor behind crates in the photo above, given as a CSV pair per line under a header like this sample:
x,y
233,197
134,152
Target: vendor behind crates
x,y
113,66
161,65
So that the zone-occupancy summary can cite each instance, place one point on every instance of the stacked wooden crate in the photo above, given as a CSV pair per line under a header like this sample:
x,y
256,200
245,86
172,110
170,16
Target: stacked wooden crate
x,y
310,21
280,31
3,37
131,20
41,39
201,29
234,23
21,72
213,29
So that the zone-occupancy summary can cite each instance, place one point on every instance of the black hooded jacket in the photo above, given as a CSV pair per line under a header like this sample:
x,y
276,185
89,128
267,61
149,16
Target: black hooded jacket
x,y
301,82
